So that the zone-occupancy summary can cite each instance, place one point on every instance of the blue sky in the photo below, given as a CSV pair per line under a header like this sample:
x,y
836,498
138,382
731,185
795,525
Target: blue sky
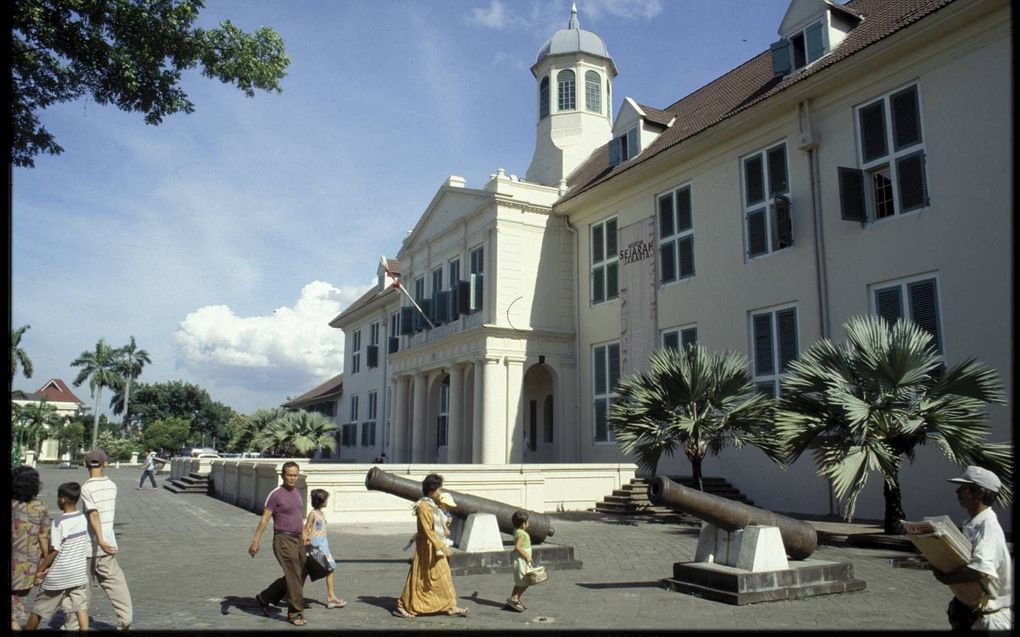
x,y
225,240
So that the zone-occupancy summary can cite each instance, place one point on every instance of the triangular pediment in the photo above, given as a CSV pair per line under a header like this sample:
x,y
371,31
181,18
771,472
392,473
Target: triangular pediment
x,y
451,203
801,12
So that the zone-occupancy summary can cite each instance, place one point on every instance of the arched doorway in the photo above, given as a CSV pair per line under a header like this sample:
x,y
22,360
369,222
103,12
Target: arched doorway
x,y
540,428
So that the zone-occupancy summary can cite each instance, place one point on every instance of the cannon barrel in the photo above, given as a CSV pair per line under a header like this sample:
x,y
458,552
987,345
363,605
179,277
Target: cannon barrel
x,y
799,538
538,523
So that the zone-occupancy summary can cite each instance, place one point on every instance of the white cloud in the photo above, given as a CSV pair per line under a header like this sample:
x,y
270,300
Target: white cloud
x,y
292,340
626,9
494,17
543,14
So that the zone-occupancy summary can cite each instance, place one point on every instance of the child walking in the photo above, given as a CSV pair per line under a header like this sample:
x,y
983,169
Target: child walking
x,y
64,572
522,560
315,531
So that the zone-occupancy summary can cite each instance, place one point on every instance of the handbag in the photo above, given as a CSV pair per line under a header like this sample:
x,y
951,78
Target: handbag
x,y
536,575
317,563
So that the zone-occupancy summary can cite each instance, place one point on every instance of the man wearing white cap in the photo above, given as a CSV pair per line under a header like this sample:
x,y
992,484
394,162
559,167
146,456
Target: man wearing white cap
x,y
989,562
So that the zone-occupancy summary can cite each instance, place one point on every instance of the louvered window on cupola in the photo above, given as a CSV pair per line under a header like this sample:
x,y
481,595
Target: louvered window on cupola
x,y
543,98
593,92
892,178
774,344
624,147
914,299
768,214
566,91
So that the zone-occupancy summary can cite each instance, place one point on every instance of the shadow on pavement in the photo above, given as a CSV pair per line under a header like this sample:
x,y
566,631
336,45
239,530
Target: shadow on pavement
x,y
245,604
639,584
481,601
386,603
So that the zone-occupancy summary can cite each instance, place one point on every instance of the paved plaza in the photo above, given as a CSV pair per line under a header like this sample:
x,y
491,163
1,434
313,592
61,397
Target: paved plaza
x,y
186,561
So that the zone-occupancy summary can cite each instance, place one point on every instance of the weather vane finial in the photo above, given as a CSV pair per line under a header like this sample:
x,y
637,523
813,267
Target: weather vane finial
x,y
574,24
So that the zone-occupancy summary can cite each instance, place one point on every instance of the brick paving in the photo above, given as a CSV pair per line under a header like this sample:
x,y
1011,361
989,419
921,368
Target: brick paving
x,y
186,561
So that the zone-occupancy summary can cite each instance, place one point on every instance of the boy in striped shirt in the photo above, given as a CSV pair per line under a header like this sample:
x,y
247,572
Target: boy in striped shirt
x,y
64,572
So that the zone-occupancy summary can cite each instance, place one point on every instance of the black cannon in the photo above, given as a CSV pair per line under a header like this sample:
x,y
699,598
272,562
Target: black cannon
x,y
539,527
799,538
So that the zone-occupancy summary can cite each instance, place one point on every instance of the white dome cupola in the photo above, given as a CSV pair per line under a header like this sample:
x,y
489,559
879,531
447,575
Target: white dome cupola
x,y
574,75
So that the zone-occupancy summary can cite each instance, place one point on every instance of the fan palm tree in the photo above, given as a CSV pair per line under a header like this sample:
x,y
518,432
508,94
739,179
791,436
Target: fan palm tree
x,y
19,357
691,399
262,430
866,405
307,431
101,368
131,362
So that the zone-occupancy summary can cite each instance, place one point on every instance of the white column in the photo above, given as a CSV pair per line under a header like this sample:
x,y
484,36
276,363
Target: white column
x,y
477,413
398,442
455,419
493,429
514,412
419,419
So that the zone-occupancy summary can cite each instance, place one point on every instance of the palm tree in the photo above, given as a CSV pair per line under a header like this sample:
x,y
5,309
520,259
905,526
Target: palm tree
x,y
868,404
101,369
37,421
262,430
308,431
19,357
131,362
693,399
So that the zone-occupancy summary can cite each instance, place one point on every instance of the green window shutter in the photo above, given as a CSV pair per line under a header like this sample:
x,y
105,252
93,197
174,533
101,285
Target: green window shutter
x,y
598,285
780,57
851,194
910,175
666,227
767,388
667,262
872,119
671,339
815,45
612,281
633,142
601,430
763,344
613,365
755,180
777,171
689,336
683,209
924,309
599,370
757,242
786,326
611,238
782,235
614,151
407,315
685,247
598,245
906,118
889,303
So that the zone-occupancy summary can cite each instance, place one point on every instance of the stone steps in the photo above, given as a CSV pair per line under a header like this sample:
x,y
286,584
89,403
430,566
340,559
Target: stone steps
x,y
632,499
191,483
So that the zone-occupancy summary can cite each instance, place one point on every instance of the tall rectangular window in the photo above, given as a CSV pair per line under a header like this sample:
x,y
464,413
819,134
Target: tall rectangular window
x,y
477,265
765,195
605,375
774,344
373,333
356,352
605,278
394,335
593,92
566,91
368,428
354,407
454,269
915,299
676,236
349,435
891,179
680,337
442,425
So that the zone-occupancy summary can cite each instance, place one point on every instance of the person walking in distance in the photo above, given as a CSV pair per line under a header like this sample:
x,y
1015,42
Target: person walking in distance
x,y
285,506
149,469
990,564
99,504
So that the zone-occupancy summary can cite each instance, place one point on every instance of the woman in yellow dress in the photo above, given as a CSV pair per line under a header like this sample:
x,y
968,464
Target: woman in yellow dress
x,y
429,586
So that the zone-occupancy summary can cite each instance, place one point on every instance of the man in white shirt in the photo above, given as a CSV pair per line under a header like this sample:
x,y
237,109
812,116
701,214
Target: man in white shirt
x,y
989,562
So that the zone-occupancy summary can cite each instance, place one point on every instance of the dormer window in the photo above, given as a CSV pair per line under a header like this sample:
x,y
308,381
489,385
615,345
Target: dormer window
x,y
593,92
566,91
807,45
624,147
543,98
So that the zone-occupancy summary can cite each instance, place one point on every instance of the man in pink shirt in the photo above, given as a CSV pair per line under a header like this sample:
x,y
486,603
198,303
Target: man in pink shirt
x,y
285,506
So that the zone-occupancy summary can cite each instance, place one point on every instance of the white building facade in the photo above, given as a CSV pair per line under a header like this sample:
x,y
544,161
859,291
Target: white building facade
x,y
861,165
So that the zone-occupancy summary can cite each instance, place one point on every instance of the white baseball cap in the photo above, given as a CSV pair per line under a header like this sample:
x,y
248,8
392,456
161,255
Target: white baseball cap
x,y
981,477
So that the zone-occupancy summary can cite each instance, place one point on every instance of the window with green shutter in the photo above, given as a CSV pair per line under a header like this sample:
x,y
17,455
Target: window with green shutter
x,y
768,213
605,375
914,299
774,345
605,280
676,235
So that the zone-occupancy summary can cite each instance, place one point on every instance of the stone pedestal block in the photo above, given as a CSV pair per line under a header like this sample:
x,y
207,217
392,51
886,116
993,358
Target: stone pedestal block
x,y
754,548
480,533
804,578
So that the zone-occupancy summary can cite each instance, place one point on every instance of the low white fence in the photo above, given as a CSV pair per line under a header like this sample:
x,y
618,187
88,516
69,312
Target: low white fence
x,y
546,488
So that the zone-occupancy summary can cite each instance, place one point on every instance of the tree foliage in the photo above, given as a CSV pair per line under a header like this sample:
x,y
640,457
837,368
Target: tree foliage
x,y
129,53
18,356
131,361
694,400
100,368
866,406
72,437
168,434
177,399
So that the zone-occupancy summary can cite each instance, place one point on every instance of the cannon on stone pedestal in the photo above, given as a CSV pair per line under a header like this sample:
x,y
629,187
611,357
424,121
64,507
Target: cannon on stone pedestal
x,y
539,527
799,538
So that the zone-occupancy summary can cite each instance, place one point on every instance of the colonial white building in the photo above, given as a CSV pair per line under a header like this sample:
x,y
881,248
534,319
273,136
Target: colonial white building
x,y
861,164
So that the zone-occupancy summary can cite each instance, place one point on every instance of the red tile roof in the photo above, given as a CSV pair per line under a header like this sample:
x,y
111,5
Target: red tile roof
x,y
753,82
54,391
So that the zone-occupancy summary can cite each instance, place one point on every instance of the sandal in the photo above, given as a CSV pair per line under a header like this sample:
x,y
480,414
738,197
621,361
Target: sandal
x,y
266,609
297,620
458,612
512,604
403,614
336,602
